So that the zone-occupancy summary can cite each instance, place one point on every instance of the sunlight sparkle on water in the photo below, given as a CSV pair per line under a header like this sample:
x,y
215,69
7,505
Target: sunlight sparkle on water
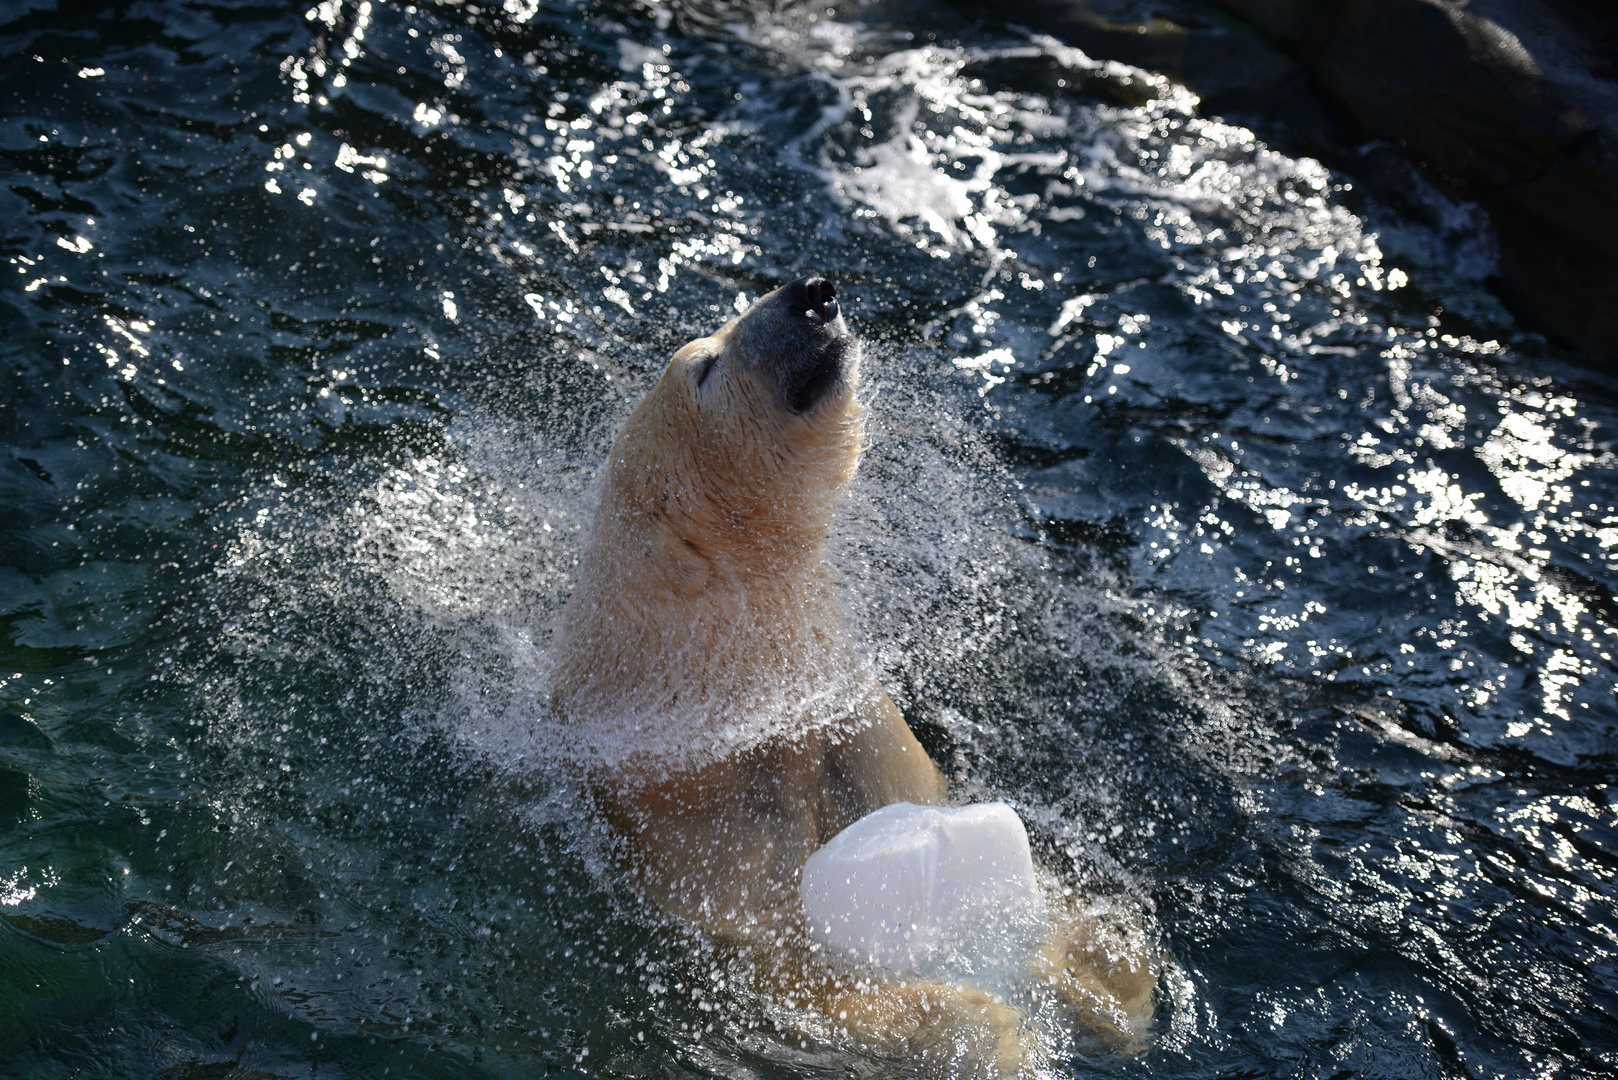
x,y
1212,513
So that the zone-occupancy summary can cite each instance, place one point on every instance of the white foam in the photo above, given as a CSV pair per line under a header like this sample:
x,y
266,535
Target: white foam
x,y
927,891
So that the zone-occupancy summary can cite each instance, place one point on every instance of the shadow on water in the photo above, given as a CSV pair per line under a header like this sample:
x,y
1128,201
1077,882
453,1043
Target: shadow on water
x,y
1214,515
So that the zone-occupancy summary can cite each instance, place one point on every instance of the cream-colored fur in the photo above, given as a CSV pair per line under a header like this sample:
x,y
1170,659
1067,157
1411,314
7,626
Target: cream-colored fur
x,y
707,685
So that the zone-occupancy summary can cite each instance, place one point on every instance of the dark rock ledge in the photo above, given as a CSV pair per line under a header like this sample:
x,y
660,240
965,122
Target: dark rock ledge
x,y
1508,104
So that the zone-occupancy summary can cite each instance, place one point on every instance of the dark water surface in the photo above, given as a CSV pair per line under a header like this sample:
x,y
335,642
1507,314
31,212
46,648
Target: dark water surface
x,y
1215,515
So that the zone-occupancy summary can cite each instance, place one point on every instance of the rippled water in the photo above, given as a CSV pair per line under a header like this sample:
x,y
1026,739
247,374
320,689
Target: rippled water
x,y
1215,515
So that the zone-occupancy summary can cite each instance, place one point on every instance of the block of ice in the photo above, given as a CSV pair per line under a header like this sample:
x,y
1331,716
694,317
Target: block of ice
x,y
925,890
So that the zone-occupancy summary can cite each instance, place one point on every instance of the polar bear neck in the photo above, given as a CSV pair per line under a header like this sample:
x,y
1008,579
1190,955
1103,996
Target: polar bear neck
x,y
644,677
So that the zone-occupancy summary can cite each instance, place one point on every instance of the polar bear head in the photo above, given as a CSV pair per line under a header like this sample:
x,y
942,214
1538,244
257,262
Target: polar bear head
x,y
733,462
702,613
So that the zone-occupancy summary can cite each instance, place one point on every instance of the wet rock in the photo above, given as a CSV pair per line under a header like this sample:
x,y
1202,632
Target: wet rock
x,y
1464,97
1234,69
1511,105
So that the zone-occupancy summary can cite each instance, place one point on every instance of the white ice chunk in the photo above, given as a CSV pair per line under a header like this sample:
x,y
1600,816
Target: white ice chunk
x,y
926,891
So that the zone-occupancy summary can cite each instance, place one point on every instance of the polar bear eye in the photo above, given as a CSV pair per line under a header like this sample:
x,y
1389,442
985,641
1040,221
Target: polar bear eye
x,y
705,369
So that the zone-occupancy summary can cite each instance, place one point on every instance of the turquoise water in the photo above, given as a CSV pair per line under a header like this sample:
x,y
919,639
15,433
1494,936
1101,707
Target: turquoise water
x,y
1216,515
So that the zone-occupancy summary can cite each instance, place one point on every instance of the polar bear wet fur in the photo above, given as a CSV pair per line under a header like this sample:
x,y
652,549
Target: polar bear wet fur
x,y
708,685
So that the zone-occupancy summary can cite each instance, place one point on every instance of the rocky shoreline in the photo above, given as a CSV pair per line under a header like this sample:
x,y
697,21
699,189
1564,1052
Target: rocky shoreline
x,y
1509,105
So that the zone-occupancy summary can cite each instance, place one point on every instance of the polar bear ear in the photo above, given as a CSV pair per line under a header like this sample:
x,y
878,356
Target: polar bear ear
x,y
686,568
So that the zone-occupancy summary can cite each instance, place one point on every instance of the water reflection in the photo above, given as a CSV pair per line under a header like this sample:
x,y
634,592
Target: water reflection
x,y
1211,514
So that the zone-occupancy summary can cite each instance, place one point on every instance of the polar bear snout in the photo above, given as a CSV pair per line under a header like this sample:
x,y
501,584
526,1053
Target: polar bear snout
x,y
815,297
795,339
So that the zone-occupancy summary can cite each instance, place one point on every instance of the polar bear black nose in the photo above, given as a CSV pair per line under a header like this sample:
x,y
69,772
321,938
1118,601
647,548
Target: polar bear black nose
x,y
814,294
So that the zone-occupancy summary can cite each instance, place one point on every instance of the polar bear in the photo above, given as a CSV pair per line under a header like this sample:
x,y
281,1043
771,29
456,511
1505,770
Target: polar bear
x,y
706,682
